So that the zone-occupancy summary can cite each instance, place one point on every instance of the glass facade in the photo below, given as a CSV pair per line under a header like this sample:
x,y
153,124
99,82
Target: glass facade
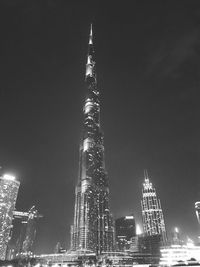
x,y
27,235
93,224
8,194
125,231
152,215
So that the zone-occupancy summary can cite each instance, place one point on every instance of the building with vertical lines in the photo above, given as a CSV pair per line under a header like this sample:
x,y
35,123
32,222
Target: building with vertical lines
x,y
152,215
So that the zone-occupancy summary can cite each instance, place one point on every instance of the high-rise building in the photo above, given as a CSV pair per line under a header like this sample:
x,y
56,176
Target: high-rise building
x,y
197,209
9,187
92,229
152,215
125,230
26,239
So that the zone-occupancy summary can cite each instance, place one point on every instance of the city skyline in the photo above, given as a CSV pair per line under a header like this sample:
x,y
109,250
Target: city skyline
x,y
149,114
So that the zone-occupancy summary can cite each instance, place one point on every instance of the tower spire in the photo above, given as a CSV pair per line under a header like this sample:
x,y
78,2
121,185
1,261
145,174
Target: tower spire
x,y
90,66
146,176
91,35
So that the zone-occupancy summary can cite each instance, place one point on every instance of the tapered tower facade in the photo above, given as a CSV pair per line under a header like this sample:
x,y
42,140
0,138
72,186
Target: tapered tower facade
x,y
92,229
152,214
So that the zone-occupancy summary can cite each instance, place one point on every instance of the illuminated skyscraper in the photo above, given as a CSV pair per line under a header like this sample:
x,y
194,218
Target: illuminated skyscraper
x,y
125,231
152,215
197,208
93,225
8,195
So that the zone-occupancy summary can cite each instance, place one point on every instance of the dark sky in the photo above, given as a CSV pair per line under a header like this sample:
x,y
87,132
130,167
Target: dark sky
x,y
148,63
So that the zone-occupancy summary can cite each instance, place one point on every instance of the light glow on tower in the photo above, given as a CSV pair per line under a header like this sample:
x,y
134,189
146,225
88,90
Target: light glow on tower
x,y
197,208
9,177
176,230
138,229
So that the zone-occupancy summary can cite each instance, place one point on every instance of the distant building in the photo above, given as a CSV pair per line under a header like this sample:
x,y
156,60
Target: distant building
x,y
10,251
152,215
150,246
27,235
59,249
125,231
134,246
176,239
197,209
20,239
9,187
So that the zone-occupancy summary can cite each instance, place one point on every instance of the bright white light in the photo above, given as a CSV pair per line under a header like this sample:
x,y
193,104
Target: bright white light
x,y
190,242
138,229
129,217
88,105
197,204
171,255
89,69
87,143
176,230
190,245
9,177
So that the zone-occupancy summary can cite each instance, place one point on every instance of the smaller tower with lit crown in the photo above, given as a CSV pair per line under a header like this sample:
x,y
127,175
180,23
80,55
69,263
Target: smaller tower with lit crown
x,y
152,215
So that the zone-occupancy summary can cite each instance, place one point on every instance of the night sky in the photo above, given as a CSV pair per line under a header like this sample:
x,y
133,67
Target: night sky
x,y
148,65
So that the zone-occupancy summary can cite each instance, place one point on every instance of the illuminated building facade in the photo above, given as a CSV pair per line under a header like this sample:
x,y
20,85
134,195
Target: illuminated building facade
x,y
197,209
8,195
125,230
92,229
152,215
176,254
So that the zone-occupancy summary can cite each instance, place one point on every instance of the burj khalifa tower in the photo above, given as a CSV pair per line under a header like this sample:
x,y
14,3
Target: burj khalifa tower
x,y
92,230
